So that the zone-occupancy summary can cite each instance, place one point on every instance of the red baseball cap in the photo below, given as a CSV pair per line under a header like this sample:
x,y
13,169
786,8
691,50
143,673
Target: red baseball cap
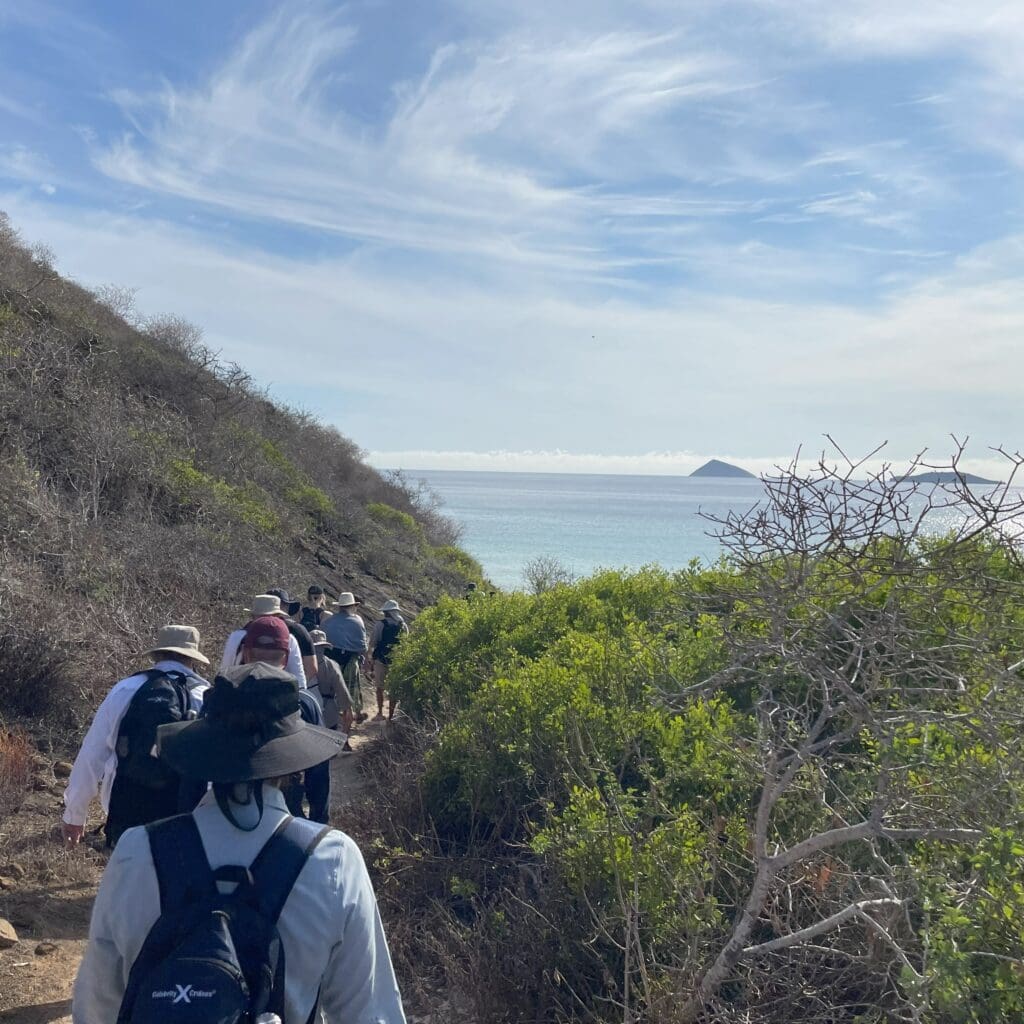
x,y
268,632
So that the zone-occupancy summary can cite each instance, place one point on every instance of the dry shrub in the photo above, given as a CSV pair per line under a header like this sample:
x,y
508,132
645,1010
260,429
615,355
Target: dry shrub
x,y
16,756
33,675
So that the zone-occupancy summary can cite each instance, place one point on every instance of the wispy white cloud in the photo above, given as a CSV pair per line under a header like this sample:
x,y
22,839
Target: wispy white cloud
x,y
23,164
387,358
548,152
600,227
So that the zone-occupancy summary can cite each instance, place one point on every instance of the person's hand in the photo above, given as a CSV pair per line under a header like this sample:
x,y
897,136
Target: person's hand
x,y
73,834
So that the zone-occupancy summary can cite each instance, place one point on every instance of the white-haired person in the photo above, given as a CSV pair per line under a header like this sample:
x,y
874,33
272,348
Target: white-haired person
x,y
346,634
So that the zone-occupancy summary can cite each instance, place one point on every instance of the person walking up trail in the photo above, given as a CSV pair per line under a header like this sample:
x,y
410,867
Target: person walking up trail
x,y
314,612
290,609
383,640
227,878
346,633
266,640
334,695
264,604
115,760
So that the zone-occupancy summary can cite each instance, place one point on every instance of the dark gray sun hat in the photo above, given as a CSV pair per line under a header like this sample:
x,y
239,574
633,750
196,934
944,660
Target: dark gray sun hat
x,y
251,729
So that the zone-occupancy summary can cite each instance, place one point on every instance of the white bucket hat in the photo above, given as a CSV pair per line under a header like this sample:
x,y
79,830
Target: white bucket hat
x,y
319,638
183,640
265,604
390,606
346,600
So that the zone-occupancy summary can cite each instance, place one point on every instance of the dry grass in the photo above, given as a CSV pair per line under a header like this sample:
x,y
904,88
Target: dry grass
x,y
16,761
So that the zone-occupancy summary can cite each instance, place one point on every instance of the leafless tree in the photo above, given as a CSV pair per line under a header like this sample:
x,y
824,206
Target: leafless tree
x,y
545,572
868,620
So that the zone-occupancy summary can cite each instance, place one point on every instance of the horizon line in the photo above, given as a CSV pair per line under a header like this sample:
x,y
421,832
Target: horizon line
x,y
653,463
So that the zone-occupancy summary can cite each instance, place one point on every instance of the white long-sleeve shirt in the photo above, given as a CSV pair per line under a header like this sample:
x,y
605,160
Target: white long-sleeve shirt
x,y
233,656
330,926
96,763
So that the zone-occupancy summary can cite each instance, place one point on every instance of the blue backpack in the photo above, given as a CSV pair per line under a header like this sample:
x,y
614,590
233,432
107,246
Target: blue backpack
x,y
211,958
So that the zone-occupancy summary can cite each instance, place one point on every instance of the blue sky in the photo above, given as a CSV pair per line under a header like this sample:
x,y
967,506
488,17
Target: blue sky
x,y
601,236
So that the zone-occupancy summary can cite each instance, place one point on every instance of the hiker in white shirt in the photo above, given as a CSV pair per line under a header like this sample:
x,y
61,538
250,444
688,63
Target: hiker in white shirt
x,y
264,604
251,736
95,768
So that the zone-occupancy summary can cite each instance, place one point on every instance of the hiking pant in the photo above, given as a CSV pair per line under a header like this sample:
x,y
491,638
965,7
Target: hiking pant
x,y
315,785
349,662
132,803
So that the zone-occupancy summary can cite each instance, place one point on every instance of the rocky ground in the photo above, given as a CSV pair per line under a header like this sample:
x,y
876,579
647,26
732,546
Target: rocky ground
x,y
46,892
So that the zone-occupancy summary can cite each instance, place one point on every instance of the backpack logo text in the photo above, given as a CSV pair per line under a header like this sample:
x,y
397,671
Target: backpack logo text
x,y
184,994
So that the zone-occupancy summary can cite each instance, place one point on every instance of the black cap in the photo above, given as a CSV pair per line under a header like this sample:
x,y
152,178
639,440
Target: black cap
x,y
290,606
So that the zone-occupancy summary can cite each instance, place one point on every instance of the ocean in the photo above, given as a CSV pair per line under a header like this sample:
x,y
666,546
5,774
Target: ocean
x,y
587,522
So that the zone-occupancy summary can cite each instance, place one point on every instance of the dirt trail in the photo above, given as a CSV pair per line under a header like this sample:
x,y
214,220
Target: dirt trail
x,y
51,903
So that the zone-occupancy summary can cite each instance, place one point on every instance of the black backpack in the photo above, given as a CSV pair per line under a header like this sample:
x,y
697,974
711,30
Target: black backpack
x,y
310,617
211,958
162,699
389,634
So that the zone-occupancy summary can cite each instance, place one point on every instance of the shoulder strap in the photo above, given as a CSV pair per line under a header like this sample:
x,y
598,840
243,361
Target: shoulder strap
x,y
278,864
150,674
182,869
180,681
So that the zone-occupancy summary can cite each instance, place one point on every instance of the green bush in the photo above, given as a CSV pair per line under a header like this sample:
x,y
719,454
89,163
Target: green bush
x,y
456,560
246,505
567,753
392,518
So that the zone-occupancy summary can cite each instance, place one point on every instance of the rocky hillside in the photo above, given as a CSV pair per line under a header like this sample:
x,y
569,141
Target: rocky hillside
x,y
143,481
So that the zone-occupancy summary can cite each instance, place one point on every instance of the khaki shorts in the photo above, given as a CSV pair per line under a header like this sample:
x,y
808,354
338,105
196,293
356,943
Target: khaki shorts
x,y
380,673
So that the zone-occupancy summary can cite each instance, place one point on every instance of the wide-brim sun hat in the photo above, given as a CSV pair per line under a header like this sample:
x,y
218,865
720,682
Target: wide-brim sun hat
x,y
183,640
251,729
265,604
319,638
347,599
390,606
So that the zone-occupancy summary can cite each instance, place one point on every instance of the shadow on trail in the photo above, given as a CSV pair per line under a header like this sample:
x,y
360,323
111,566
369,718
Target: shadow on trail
x,y
41,1013
46,915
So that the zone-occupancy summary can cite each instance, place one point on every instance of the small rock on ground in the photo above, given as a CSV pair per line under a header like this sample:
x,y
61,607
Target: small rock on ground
x,y
46,948
8,936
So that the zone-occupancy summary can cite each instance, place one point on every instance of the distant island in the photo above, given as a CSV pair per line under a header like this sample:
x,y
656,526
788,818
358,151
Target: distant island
x,y
948,478
715,467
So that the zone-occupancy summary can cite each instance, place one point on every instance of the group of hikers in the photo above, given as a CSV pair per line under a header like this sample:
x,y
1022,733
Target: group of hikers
x,y
227,897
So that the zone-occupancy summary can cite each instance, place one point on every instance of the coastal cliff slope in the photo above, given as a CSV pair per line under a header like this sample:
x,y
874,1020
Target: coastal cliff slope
x,y
144,481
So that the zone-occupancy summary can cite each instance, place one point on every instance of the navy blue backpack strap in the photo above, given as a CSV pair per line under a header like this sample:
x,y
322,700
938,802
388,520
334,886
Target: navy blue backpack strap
x,y
182,869
278,864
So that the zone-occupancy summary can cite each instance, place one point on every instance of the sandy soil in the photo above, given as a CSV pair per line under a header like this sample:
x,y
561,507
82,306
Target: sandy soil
x,y
50,903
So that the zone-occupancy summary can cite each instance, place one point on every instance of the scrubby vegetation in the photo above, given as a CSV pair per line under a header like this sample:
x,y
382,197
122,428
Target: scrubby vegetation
x,y
788,788
142,481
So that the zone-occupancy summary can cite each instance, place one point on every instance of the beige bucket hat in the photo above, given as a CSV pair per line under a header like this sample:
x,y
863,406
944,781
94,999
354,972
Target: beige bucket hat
x,y
319,638
390,606
346,600
266,604
182,640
